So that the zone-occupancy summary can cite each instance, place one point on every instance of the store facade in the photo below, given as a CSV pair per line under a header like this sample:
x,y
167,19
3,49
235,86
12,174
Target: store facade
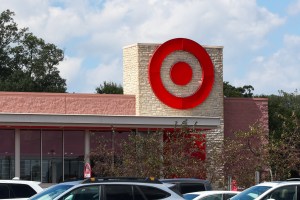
x,y
48,137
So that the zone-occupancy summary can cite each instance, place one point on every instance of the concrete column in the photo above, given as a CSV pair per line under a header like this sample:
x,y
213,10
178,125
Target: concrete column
x,y
17,153
87,147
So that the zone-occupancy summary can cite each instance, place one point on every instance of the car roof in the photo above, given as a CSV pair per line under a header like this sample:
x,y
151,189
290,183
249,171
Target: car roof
x,y
278,183
214,192
20,181
71,182
183,180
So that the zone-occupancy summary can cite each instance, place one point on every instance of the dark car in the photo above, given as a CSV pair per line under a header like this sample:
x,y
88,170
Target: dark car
x,y
186,185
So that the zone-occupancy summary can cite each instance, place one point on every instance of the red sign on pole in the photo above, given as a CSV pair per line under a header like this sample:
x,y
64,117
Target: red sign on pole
x,y
87,172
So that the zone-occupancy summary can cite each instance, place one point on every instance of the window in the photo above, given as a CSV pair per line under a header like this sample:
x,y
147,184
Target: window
x,y
213,197
83,193
282,193
52,162
118,192
138,195
73,154
297,193
191,187
30,149
52,192
22,190
152,193
190,196
7,154
4,191
228,196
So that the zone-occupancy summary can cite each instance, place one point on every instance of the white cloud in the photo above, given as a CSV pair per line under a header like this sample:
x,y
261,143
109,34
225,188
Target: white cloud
x,y
292,42
104,72
70,67
294,8
279,71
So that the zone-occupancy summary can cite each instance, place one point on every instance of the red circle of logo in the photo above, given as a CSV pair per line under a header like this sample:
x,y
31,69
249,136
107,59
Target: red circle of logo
x,y
181,73
181,44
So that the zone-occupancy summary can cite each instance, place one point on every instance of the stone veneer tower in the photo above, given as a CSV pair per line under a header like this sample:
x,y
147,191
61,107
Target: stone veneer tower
x,y
136,59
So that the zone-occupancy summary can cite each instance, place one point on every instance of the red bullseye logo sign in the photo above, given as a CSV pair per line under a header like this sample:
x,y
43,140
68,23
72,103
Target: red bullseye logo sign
x,y
181,73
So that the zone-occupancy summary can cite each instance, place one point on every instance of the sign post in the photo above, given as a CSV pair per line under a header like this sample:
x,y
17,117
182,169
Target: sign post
x,y
87,172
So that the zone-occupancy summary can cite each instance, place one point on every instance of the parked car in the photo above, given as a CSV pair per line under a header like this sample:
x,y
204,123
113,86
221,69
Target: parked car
x,y
187,185
18,189
210,195
279,190
109,189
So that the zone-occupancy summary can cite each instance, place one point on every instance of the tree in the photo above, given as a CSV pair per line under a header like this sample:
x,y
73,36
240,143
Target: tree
x,y
285,151
27,63
231,91
160,154
253,150
109,88
281,107
245,153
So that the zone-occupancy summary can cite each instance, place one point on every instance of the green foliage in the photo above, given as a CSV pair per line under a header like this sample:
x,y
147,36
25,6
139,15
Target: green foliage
x,y
155,154
231,91
254,150
281,108
27,63
245,153
285,151
141,155
109,88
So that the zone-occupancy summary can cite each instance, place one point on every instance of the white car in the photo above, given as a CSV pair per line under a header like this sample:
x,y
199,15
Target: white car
x,y
18,189
109,189
277,190
210,195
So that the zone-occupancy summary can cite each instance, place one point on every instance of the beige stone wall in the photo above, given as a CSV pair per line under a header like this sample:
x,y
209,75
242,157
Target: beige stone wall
x,y
135,81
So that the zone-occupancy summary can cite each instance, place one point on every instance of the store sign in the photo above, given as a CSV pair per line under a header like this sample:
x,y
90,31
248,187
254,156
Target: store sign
x,y
181,73
87,172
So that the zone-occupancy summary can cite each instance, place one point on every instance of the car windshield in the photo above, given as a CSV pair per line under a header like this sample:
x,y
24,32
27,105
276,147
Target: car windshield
x,y
251,193
51,192
190,196
174,189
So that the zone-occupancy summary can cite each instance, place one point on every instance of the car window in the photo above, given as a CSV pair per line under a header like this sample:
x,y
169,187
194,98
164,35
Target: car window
x,y
118,192
4,191
190,196
22,190
175,189
228,196
213,197
83,193
152,193
138,195
251,193
282,193
51,193
298,193
191,187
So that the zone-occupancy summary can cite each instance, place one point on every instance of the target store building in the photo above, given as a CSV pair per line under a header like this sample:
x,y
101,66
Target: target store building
x,y
48,137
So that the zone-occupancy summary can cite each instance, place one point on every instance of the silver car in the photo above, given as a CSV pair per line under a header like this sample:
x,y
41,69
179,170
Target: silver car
x,y
276,190
109,189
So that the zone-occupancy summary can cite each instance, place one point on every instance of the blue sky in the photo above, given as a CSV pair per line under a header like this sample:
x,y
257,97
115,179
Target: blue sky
x,y
261,38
